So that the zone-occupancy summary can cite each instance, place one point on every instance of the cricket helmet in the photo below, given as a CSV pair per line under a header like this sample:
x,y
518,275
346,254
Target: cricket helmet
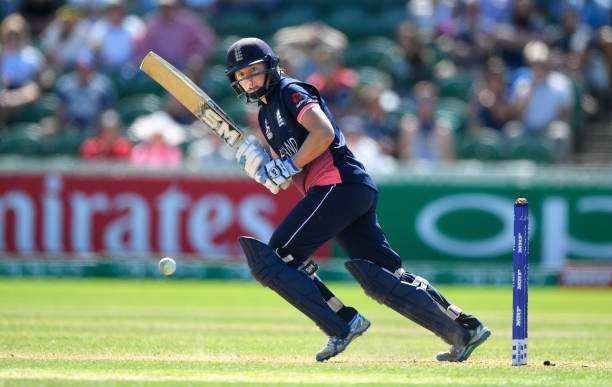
x,y
246,52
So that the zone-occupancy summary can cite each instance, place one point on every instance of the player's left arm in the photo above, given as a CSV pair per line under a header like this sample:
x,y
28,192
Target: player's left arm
x,y
320,135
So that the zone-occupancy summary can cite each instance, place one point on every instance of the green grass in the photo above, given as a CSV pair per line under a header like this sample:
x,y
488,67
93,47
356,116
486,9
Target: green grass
x,y
118,332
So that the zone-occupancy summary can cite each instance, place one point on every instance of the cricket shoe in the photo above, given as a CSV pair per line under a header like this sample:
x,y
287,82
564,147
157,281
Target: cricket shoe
x,y
478,335
357,326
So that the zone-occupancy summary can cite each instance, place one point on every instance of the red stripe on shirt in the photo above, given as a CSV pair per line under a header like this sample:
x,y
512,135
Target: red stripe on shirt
x,y
305,109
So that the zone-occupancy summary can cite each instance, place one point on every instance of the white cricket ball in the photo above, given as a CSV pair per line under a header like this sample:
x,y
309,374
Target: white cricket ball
x,y
167,266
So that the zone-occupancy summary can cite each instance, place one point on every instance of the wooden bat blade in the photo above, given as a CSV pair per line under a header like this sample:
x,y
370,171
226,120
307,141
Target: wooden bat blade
x,y
192,97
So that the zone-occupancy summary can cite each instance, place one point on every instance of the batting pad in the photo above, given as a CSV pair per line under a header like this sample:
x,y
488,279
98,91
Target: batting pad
x,y
293,285
408,300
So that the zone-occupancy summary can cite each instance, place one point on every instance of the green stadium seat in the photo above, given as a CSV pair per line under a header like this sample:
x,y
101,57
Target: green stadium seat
x,y
45,106
529,148
380,53
369,76
458,86
236,109
293,16
216,83
353,21
66,142
220,49
239,23
22,139
134,106
453,111
139,83
386,22
486,145
577,115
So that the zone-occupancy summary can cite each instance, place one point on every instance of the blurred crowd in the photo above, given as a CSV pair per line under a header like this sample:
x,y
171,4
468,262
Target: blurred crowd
x,y
437,80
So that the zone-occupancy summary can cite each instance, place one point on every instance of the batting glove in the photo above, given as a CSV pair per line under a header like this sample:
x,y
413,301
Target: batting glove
x,y
252,157
280,171
262,178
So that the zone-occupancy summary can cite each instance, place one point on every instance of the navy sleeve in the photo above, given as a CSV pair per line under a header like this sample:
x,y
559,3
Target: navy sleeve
x,y
296,98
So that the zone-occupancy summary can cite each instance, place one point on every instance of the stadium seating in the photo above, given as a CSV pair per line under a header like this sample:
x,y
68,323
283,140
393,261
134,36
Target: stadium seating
x,y
380,53
240,23
45,106
220,49
216,83
354,22
22,139
235,108
485,145
453,111
137,83
134,106
66,142
294,16
458,86
529,148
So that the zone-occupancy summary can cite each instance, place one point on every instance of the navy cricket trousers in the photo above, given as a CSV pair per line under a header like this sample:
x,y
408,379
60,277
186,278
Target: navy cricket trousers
x,y
346,212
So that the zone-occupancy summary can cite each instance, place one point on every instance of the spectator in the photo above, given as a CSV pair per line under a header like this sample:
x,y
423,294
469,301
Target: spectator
x,y
421,135
39,13
596,64
543,99
431,15
418,57
490,105
365,147
575,35
65,37
377,102
108,143
85,94
115,35
335,82
209,149
526,25
191,40
201,6
299,46
493,13
20,66
471,43
160,137
7,7
597,13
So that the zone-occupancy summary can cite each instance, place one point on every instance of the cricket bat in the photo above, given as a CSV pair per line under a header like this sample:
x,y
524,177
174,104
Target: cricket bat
x,y
193,98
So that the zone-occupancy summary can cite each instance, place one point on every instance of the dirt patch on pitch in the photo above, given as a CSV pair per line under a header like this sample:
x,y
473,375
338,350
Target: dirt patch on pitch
x,y
296,360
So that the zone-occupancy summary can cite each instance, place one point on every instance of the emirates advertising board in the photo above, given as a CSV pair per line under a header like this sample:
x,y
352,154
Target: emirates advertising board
x,y
61,213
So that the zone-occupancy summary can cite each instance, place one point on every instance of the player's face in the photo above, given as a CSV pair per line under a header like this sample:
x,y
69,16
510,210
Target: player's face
x,y
252,77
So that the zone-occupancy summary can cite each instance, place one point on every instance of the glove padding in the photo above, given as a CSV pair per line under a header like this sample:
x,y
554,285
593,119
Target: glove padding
x,y
281,170
252,158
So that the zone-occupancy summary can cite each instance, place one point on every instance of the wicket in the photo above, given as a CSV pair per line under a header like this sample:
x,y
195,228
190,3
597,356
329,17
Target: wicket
x,y
520,263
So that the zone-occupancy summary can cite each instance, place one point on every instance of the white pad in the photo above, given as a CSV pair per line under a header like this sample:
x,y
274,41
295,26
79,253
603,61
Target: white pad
x,y
255,157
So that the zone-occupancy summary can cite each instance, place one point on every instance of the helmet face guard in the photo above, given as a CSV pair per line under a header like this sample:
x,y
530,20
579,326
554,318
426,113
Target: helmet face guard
x,y
247,52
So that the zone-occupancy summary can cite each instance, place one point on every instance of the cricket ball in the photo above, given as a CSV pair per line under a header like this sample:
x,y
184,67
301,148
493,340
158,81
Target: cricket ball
x,y
167,266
